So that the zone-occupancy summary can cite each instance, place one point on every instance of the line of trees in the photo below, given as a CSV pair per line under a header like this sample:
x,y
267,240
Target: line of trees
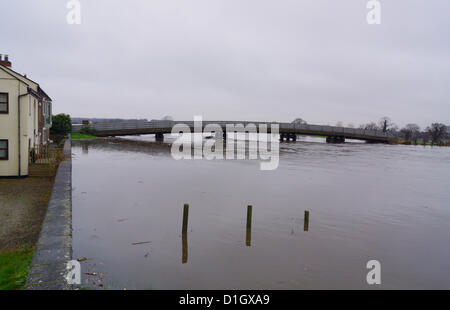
x,y
436,133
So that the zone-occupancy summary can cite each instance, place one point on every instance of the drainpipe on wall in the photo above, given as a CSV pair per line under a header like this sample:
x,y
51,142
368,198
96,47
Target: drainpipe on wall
x,y
18,108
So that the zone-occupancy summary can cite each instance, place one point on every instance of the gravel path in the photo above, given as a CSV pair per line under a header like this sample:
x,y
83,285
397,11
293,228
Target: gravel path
x,y
23,204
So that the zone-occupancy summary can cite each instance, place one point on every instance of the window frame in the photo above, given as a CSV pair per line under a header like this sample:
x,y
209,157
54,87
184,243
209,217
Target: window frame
x,y
5,149
7,103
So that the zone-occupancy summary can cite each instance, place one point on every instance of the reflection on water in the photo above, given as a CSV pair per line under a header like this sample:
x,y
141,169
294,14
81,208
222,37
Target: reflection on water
x,y
184,258
382,202
306,220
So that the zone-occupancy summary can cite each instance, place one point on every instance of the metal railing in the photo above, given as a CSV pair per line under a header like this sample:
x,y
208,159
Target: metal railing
x,y
43,154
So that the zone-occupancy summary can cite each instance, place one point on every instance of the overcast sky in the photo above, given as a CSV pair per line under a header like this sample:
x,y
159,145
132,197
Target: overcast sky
x,y
236,59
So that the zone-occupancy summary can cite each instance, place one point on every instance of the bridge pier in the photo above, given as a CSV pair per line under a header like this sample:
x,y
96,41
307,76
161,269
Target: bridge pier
x,y
159,137
333,139
288,137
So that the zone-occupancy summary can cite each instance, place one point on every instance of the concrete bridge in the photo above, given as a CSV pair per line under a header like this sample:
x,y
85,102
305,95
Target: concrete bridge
x,y
288,131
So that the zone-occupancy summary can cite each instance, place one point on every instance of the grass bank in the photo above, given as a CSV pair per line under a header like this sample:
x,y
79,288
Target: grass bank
x,y
82,136
14,267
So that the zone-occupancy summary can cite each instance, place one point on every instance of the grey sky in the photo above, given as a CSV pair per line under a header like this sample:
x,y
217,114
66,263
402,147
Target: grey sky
x,y
236,59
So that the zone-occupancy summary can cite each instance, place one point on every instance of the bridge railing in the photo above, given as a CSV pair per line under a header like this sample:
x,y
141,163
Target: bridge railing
x,y
123,126
342,130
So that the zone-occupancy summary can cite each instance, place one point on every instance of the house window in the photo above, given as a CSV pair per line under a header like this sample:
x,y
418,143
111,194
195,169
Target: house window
x,y
3,149
4,106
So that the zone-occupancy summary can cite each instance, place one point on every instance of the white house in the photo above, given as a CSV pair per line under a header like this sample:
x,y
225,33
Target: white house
x,y
25,120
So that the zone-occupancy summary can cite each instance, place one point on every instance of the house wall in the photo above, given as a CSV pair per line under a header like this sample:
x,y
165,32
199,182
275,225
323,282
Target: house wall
x,y
29,126
9,125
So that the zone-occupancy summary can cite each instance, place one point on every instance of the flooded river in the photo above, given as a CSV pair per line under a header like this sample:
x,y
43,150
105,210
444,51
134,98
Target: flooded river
x,y
366,202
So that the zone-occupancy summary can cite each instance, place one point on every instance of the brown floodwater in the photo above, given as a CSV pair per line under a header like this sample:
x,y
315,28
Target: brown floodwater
x,y
366,202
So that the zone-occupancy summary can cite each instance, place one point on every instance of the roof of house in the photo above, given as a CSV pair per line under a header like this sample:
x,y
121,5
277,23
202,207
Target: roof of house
x,y
40,92
44,93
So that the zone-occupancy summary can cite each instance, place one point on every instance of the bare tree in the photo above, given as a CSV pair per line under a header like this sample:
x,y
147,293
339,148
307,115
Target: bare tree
x,y
425,137
438,132
411,133
369,126
339,124
386,125
167,118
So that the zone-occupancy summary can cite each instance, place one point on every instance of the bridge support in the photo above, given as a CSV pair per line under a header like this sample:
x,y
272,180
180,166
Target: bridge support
x,y
159,137
288,137
332,139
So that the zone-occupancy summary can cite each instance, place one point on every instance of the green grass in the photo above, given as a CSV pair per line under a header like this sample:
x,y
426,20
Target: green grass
x,y
14,267
82,136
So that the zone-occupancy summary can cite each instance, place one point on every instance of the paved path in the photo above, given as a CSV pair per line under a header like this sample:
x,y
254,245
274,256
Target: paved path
x,y
23,204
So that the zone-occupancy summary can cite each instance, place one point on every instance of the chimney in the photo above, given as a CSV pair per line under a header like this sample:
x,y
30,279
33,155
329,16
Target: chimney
x,y
5,61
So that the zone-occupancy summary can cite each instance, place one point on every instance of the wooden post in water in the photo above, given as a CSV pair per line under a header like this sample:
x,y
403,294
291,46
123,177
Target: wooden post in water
x,y
248,238
184,258
306,228
185,218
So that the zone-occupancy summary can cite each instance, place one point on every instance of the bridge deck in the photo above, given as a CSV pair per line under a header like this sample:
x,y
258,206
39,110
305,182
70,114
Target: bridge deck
x,y
165,127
